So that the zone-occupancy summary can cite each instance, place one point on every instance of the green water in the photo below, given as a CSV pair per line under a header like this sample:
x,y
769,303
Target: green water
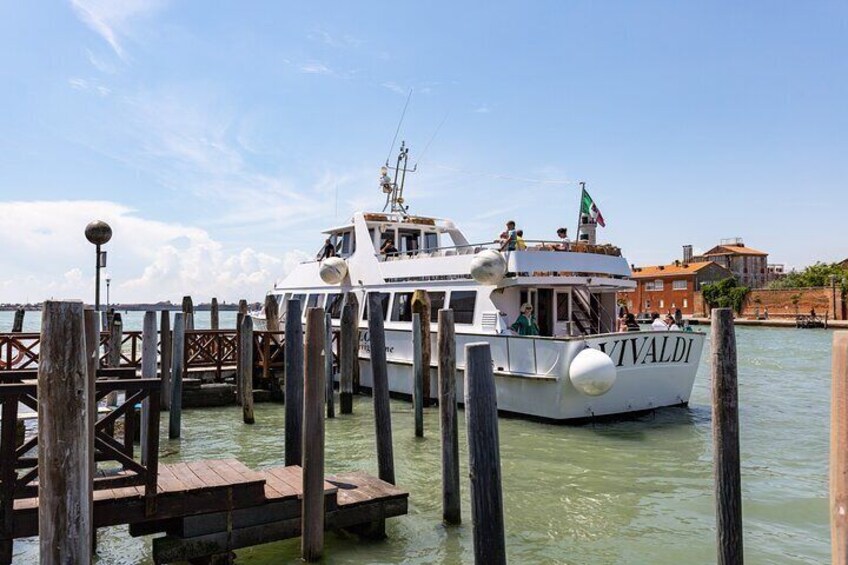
x,y
627,492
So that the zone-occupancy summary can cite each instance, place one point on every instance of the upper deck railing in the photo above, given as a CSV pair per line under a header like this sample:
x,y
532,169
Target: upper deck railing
x,y
533,245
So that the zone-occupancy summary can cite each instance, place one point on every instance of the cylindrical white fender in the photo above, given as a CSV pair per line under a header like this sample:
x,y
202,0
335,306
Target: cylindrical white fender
x,y
488,267
592,372
333,270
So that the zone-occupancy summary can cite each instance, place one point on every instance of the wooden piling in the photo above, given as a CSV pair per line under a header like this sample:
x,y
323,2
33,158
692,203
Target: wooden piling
x,y
64,457
294,383
380,390
148,371
18,324
165,354
188,321
272,313
92,354
242,306
348,351
245,368
448,417
484,460
328,365
314,386
725,423
214,322
188,305
177,359
116,336
417,376
239,320
421,306
839,450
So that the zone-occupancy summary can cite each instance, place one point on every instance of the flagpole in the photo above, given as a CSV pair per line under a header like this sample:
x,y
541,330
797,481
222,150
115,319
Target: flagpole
x,y
580,211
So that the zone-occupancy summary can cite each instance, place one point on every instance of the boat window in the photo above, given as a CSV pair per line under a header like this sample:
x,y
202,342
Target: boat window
x,y
431,241
281,302
562,307
347,243
300,297
372,234
334,305
384,298
409,241
315,301
437,302
462,304
402,308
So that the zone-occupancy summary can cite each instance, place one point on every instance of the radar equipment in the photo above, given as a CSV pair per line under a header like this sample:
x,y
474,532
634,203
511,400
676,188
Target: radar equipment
x,y
391,187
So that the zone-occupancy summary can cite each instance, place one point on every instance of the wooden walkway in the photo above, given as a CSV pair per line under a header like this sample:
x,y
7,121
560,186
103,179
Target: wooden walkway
x,y
212,507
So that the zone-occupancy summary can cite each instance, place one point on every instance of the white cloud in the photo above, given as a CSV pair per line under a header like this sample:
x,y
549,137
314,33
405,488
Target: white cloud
x,y
148,260
395,87
111,18
316,68
482,109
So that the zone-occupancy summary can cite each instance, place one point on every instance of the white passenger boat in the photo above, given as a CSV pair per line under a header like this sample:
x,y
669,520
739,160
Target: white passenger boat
x,y
578,368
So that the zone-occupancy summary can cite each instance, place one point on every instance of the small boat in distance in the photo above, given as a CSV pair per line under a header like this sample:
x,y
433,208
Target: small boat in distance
x,y
577,368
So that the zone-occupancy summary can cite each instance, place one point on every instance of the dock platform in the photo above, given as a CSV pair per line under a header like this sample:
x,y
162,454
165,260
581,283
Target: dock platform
x,y
212,507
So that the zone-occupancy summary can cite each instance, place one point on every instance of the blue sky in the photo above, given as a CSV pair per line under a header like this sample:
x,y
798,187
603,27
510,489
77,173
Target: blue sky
x,y
216,137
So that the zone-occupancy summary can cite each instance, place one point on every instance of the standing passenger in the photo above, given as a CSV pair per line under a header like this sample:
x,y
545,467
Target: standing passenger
x,y
526,322
508,237
520,245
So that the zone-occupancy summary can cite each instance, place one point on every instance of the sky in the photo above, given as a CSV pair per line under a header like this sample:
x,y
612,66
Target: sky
x,y
218,139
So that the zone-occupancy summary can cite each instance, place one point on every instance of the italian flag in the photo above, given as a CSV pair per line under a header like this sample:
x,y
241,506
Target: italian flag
x,y
588,206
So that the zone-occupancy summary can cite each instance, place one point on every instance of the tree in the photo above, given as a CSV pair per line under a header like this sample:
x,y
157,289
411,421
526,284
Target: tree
x,y
814,275
726,293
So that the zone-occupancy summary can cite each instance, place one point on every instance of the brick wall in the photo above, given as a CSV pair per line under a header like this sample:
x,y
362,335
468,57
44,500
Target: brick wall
x,y
779,303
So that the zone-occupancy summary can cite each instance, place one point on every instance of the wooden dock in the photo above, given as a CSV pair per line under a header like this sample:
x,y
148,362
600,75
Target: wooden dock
x,y
213,507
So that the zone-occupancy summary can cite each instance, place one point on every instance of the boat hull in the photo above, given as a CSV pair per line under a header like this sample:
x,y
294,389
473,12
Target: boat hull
x,y
653,370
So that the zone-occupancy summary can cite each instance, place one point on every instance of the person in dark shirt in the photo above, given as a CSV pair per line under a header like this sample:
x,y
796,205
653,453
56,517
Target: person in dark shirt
x,y
327,251
631,324
388,248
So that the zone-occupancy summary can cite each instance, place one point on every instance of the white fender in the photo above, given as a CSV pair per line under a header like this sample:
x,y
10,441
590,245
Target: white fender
x,y
592,372
333,270
488,267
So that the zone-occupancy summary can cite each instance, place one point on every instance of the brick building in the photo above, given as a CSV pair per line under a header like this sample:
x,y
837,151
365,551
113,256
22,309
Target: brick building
x,y
665,288
749,265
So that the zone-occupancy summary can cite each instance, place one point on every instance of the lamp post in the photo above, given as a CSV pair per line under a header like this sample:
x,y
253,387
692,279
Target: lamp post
x,y
99,233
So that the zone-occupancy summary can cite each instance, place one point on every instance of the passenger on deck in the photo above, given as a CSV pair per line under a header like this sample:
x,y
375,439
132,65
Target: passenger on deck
x,y
564,242
670,324
327,251
507,238
520,245
656,322
389,249
526,322
630,323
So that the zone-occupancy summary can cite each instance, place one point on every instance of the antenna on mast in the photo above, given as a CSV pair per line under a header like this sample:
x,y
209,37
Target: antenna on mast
x,y
391,187
397,130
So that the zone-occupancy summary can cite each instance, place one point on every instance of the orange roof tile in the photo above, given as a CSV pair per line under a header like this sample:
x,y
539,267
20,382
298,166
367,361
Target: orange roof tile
x,y
734,250
670,270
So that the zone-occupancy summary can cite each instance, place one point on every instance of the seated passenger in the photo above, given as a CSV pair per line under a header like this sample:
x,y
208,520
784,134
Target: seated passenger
x,y
327,251
671,325
564,242
657,323
526,322
631,324
519,240
388,248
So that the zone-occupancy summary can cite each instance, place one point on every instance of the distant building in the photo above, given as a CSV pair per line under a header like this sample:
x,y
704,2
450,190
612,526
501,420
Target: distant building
x,y
844,264
749,265
775,271
666,288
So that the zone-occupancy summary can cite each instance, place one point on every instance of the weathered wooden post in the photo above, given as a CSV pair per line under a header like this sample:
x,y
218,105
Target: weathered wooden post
x,y
188,321
725,423
839,450
175,414
18,324
64,458
239,320
312,540
380,390
116,336
294,383
242,306
447,414
272,324
484,460
245,368
92,354
417,376
214,322
328,365
165,355
148,371
188,306
348,351
421,306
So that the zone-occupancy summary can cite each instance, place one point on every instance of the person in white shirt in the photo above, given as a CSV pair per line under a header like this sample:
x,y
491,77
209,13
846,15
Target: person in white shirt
x,y
671,325
657,323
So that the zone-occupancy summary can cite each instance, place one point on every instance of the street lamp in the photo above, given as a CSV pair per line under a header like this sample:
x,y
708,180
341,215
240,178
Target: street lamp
x,y
99,233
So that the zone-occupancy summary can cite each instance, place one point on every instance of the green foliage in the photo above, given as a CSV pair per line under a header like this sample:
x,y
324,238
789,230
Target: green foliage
x,y
725,294
814,275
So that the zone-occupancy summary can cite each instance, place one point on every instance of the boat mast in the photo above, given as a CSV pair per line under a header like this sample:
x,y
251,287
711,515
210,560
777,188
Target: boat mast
x,y
393,188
